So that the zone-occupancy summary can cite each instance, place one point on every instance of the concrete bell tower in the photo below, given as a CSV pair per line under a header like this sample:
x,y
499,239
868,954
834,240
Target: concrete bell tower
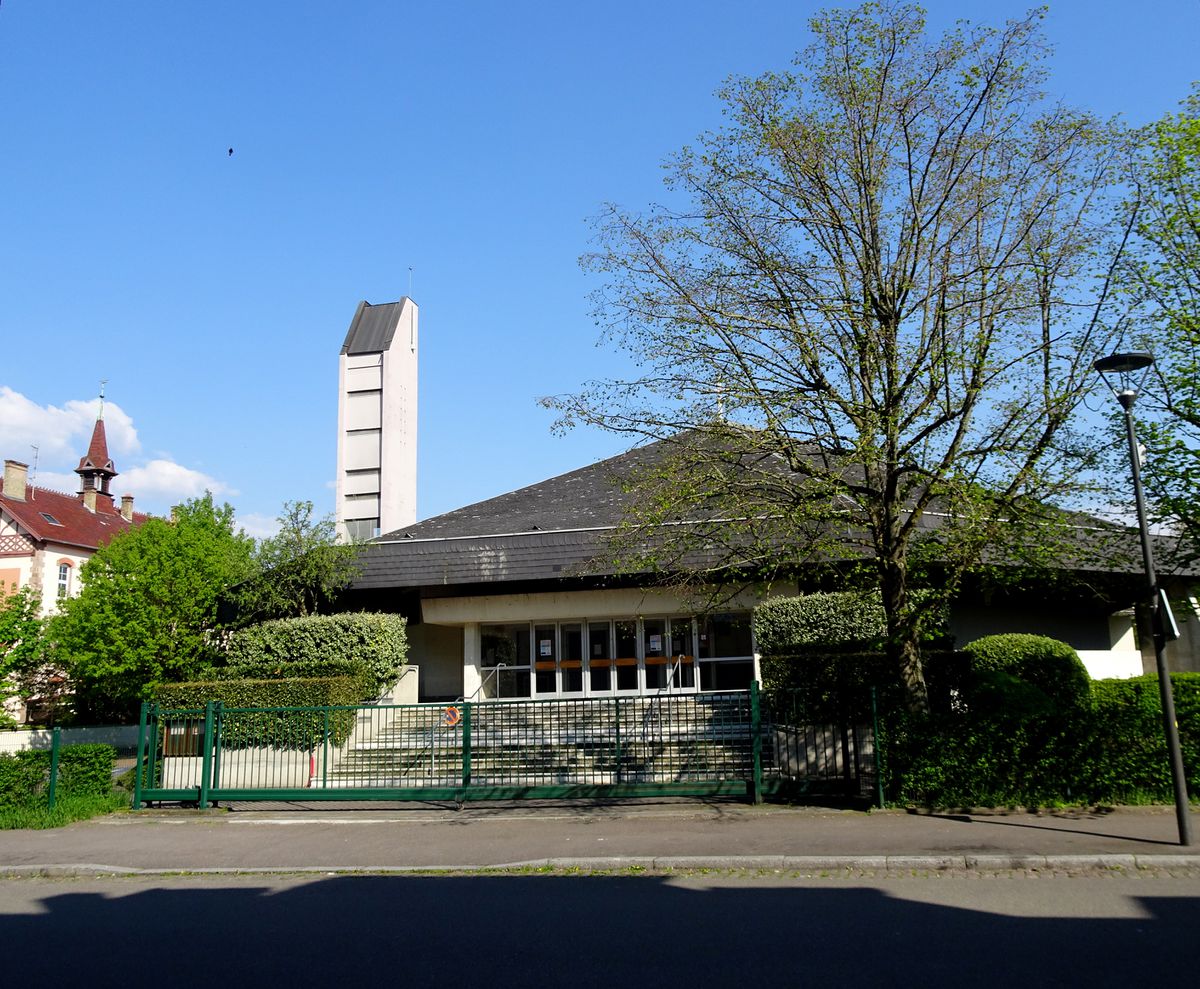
x,y
377,421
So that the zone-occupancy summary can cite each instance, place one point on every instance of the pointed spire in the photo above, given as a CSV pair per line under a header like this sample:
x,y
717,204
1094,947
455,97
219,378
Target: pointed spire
x,y
96,468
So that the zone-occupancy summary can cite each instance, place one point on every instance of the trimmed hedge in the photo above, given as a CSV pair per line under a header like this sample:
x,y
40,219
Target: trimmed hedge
x,y
271,727
1051,666
375,642
830,648
83,770
829,622
1108,751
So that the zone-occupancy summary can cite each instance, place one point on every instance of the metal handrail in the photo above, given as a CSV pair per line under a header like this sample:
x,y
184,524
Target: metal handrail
x,y
654,708
461,699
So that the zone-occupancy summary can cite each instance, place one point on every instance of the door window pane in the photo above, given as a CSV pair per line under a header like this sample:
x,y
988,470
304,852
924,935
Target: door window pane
x,y
570,639
545,658
599,656
626,658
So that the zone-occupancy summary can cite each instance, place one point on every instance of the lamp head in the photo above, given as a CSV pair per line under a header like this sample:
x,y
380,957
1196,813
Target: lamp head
x,y
1124,374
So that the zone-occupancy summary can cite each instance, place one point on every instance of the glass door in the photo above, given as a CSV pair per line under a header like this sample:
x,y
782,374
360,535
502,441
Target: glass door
x,y
600,657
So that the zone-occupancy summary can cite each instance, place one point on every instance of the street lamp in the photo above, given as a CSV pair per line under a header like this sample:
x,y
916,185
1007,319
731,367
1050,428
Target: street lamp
x,y
1124,373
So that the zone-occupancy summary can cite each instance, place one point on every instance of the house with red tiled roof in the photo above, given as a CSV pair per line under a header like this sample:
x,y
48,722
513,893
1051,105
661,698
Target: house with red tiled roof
x,y
45,535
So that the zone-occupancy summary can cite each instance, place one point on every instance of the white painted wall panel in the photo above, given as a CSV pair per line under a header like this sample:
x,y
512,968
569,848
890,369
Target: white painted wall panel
x,y
362,450
364,410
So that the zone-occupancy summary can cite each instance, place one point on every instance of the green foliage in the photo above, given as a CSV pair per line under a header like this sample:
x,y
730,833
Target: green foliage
x,y
810,331
147,611
1051,666
820,622
83,771
1163,278
281,729
67,810
22,647
1110,751
376,643
831,647
300,569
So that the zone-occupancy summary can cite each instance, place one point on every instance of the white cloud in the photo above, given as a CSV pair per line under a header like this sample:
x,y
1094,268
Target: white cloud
x,y
60,434
165,480
258,525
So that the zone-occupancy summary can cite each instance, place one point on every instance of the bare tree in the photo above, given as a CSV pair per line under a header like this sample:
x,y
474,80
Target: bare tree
x,y
866,317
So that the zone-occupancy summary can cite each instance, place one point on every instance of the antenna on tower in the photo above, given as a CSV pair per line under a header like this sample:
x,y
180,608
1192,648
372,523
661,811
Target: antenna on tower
x,y
33,473
412,343
103,382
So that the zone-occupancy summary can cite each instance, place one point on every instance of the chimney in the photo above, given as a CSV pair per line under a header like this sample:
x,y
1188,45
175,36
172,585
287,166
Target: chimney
x,y
15,475
89,499
127,507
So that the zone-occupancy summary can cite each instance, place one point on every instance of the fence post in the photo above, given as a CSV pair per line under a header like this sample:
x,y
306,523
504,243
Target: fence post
x,y
466,744
55,741
325,751
878,750
137,766
206,756
617,708
216,773
154,727
756,795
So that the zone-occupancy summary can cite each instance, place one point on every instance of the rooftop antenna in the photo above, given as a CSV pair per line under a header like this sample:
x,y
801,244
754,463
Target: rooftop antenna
x,y
33,473
103,382
412,344
410,281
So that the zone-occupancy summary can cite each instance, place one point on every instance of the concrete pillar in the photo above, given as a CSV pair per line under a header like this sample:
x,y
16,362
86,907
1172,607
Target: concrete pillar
x,y
472,661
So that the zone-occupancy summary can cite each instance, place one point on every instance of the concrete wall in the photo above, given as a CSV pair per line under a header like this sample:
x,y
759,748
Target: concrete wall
x,y
121,736
438,650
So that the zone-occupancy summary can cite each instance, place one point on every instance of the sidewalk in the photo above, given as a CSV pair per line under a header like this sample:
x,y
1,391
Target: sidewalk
x,y
652,835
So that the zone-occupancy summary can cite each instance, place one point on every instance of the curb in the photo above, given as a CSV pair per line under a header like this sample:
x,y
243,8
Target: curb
x,y
658,864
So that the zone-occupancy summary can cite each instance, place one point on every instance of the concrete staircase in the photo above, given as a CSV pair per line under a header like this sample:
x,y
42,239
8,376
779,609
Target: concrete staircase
x,y
662,739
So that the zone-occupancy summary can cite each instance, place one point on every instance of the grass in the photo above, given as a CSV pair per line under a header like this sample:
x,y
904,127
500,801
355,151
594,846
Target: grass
x,y
67,810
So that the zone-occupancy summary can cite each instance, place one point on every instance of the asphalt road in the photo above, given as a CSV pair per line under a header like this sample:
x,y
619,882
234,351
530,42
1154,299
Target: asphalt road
x,y
625,930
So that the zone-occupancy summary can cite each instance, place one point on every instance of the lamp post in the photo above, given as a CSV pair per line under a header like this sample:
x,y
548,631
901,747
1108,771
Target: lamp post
x,y
1124,373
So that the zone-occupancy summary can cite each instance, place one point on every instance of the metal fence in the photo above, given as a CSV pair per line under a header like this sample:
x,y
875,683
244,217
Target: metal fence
x,y
684,744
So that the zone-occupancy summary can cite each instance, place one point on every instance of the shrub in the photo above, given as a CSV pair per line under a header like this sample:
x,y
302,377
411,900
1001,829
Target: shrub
x,y
1048,664
376,642
829,648
837,621
1111,751
83,771
281,729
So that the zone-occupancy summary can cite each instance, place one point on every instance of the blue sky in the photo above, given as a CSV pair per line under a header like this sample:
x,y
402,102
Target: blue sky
x,y
468,142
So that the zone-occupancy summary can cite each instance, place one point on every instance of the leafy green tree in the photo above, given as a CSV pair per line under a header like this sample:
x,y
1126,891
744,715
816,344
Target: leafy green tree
x,y
148,608
1164,274
21,644
300,569
865,316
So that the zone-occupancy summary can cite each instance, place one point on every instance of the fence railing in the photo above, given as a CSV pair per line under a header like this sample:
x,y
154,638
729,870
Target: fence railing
x,y
697,744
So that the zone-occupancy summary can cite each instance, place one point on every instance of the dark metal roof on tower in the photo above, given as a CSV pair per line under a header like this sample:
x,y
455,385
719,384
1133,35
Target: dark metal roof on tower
x,y
373,327
97,460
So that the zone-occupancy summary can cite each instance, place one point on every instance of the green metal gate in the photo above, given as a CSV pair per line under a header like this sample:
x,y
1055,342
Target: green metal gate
x,y
684,744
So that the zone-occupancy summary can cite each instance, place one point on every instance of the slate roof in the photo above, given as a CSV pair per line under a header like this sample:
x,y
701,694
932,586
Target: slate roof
x,y
543,531
78,526
556,529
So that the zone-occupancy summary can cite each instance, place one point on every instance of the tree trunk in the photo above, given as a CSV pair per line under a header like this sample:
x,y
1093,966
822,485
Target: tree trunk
x,y
902,646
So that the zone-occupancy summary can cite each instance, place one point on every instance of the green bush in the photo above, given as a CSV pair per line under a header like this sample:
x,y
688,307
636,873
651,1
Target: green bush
x,y
375,642
83,770
273,727
1048,664
832,622
1108,752
295,670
